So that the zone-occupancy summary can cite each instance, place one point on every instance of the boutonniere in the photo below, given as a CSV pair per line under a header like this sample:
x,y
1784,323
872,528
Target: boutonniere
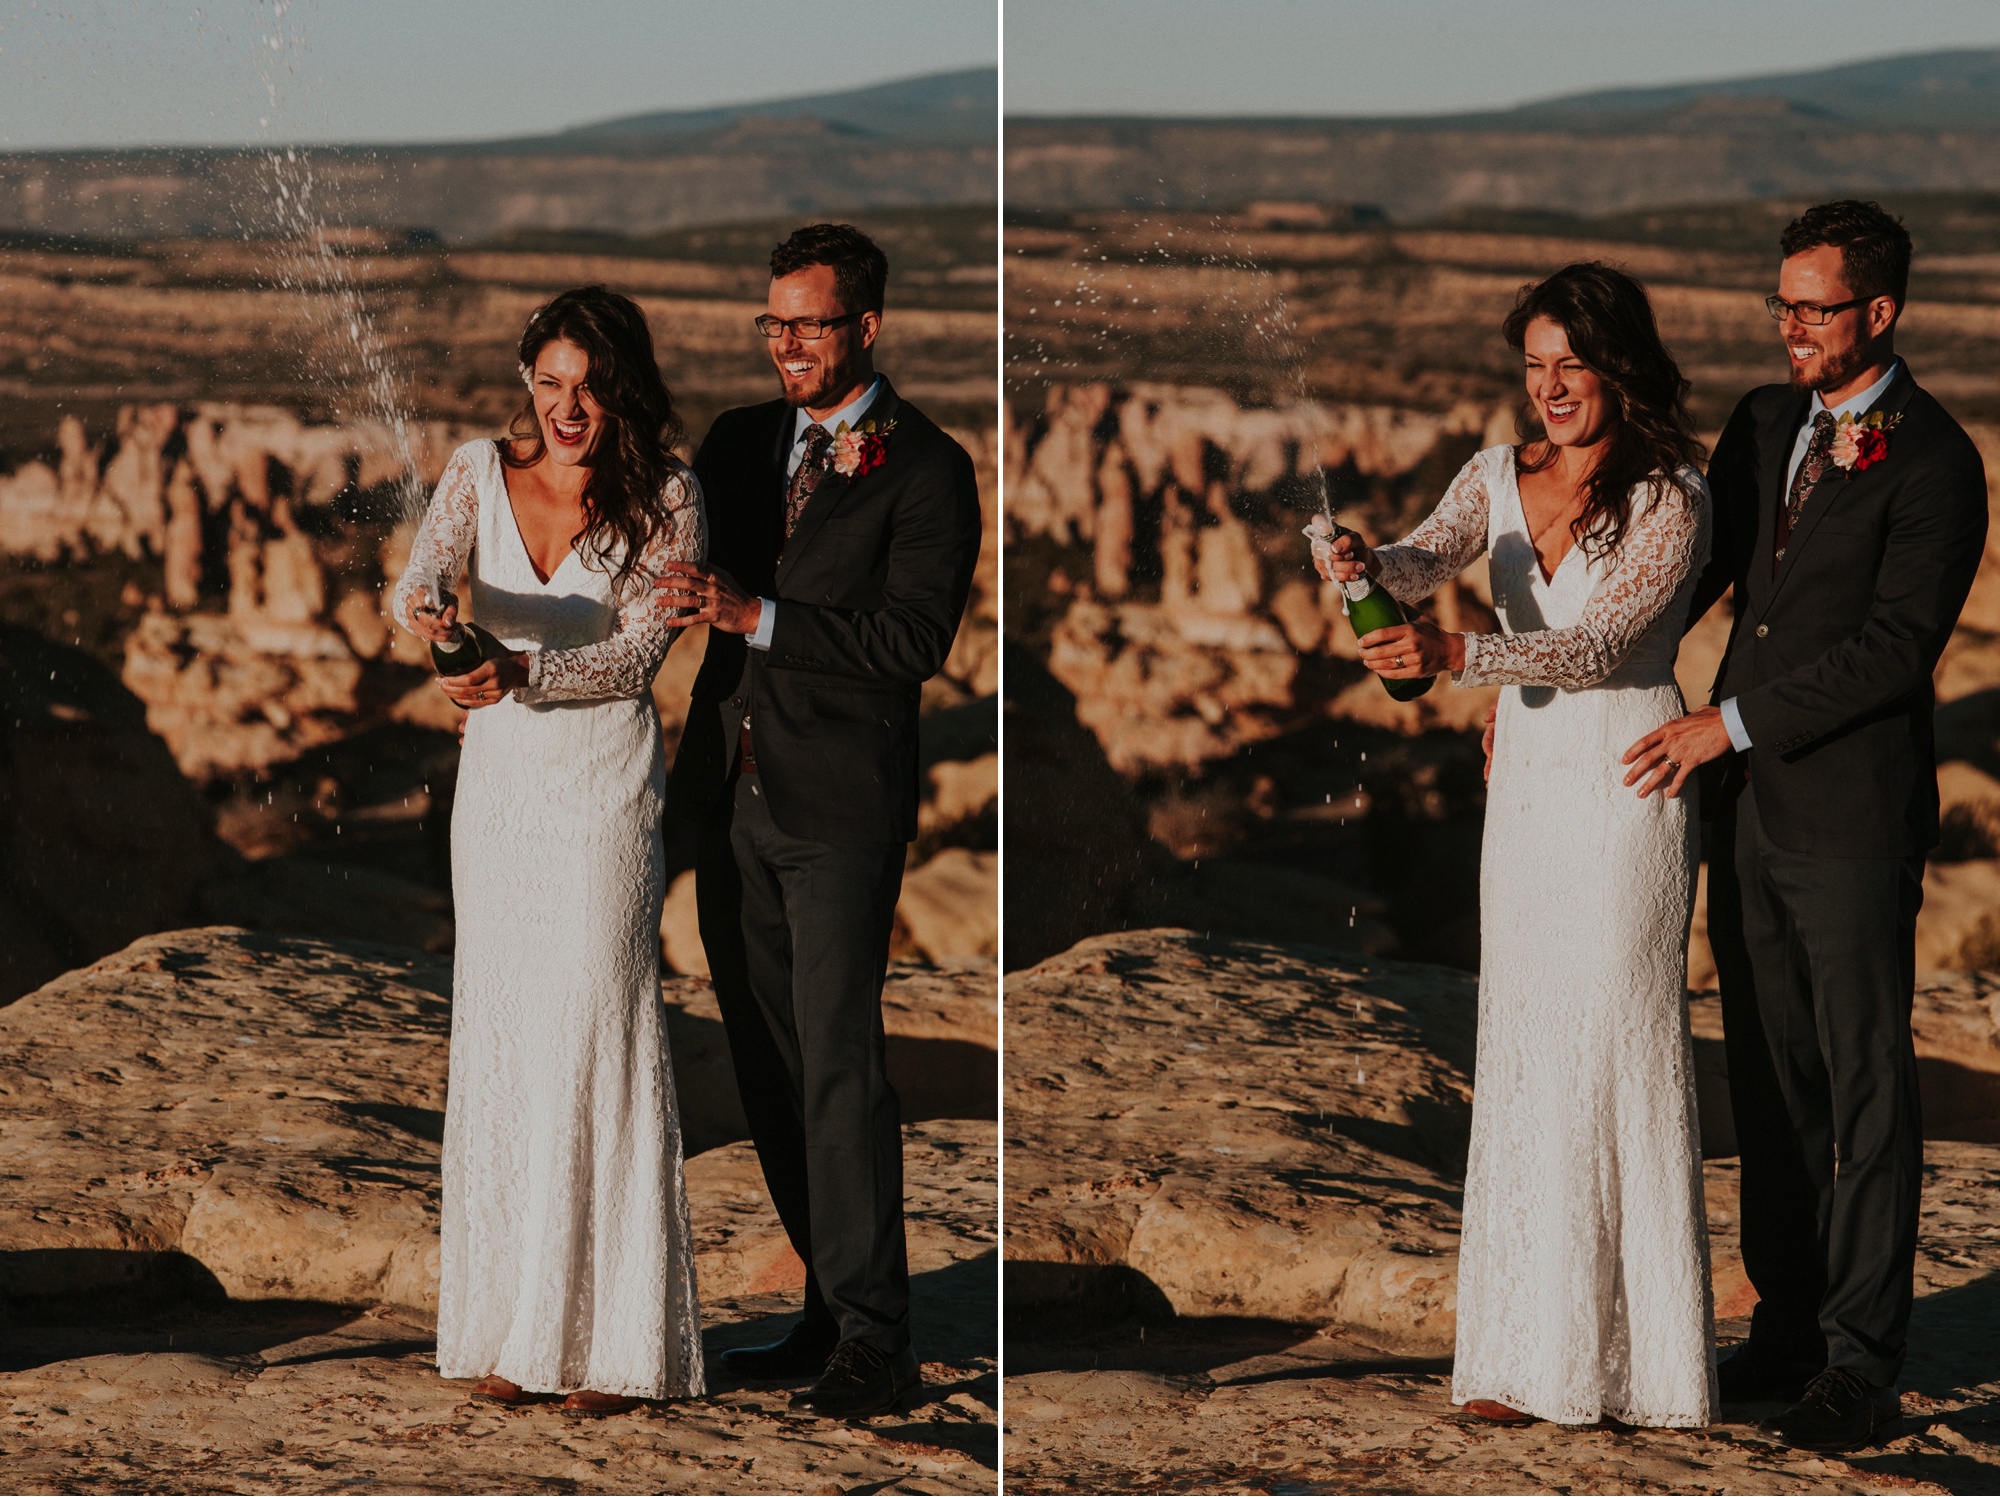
x,y
1860,442
860,450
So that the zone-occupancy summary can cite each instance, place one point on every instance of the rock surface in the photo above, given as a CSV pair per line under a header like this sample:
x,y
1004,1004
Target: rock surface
x,y
1233,1174
271,1107
308,1397
216,1113
1227,1128
942,1024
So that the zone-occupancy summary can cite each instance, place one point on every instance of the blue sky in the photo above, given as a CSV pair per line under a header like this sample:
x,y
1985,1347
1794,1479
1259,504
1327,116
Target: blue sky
x,y
155,72
1381,57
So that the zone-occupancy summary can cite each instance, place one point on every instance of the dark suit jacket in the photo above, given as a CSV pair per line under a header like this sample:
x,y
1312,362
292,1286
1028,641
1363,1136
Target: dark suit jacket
x,y
869,594
1831,661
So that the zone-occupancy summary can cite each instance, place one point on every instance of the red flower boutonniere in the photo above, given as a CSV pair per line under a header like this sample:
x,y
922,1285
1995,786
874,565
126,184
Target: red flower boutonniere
x,y
860,450
1859,443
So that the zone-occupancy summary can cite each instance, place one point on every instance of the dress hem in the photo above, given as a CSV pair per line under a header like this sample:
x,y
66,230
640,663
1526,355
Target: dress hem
x,y
1584,1421
647,1392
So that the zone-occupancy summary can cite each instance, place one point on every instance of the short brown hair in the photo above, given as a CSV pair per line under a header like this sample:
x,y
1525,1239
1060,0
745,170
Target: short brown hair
x,y
860,269
1874,246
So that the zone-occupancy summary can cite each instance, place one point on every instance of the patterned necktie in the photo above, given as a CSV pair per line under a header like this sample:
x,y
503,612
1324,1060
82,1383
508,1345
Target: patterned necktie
x,y
812,468
1812,467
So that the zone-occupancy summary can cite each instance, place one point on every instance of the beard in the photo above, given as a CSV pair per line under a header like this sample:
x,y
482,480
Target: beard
x,y
825,380
1834,367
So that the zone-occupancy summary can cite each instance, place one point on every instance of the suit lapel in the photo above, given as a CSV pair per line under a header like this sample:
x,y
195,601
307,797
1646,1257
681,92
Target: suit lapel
x,y
832,489
1827,491
781,451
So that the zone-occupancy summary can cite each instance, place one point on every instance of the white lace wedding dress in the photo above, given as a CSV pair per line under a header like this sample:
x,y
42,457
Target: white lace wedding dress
x,y
566,1257
1583,1283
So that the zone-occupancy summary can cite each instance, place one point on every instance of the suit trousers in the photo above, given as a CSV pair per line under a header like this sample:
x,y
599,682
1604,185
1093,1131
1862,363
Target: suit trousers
x,y
797,937
1816,958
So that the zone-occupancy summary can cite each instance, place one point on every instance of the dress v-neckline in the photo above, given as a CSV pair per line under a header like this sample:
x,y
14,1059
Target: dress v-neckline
x,y
1545,577
514,524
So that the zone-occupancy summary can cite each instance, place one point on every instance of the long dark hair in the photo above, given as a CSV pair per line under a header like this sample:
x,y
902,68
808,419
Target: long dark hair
x,y
624,498
1611,329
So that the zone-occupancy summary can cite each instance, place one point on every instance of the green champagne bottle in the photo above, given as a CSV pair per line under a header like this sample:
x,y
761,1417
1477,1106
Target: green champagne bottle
x,y
462,653
461,657
1369,608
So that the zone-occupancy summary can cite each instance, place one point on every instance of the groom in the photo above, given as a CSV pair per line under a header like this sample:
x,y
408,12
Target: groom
x,y
843,528
1850,516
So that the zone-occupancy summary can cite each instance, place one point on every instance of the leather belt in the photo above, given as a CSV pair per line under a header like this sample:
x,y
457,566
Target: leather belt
x,y
746,755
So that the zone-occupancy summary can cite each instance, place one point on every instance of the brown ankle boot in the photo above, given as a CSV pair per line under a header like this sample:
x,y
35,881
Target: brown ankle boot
x,y
1496,1413
494,1388
585,1404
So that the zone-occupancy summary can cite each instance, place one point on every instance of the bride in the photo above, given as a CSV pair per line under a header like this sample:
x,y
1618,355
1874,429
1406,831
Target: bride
x,y
566,1263
1583,1273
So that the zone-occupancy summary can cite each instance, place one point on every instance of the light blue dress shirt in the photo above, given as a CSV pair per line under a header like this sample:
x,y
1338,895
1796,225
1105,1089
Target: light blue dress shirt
x,y
767,612
1732,717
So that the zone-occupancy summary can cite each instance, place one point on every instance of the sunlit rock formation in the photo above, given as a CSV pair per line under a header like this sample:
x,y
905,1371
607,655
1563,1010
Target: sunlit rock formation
x,y
1186,639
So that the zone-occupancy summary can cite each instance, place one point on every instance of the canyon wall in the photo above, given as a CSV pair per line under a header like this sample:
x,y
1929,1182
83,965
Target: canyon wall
x,y
1414,170
467,195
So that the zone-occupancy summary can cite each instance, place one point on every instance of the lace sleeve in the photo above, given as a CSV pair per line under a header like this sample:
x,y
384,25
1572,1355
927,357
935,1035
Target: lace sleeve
x,y
624,665
1663,544
444,539
1448,542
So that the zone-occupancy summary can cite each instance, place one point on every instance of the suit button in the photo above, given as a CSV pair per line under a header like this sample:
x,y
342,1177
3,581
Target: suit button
x,y
736,701
1762,630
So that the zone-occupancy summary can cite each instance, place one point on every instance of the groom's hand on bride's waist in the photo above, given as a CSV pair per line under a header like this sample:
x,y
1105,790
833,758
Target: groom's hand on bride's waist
x,y
1665,757
710,596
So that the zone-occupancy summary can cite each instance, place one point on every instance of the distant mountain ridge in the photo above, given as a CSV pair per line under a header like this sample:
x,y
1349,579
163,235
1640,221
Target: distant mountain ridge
x,y
962,106
1921,90
911,142
1925,90
1920,123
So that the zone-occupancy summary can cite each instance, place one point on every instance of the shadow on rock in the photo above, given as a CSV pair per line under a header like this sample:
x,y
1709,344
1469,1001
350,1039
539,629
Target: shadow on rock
x,y
934,1077
65,1303
1191,1348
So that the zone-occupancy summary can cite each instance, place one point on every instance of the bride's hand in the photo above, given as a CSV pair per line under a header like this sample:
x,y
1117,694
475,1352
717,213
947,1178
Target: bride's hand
x,y
1345,558
1486,741
500,672
434,621
1409,652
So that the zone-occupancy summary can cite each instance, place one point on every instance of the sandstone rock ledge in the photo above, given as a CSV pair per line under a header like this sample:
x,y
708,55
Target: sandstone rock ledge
x,y
1232,1174
218,1253
1216,1127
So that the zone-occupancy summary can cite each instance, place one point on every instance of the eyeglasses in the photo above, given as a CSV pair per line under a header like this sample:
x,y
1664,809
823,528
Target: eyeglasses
x,y
1811,313
808,328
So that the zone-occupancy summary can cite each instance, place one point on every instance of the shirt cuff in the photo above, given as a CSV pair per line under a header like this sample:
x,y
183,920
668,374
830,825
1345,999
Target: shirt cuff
x,y
767,620
1732,719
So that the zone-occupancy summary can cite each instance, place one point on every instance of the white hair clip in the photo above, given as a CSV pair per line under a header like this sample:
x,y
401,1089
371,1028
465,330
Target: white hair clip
x,y
527,375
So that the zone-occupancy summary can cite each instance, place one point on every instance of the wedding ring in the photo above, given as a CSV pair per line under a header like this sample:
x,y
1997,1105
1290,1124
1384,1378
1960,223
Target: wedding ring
x,y
1673,764
1399,662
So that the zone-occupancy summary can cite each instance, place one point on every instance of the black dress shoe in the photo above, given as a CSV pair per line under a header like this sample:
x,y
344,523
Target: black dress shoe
x,y
803,1353
1748,1376
1840,1411
860,1380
